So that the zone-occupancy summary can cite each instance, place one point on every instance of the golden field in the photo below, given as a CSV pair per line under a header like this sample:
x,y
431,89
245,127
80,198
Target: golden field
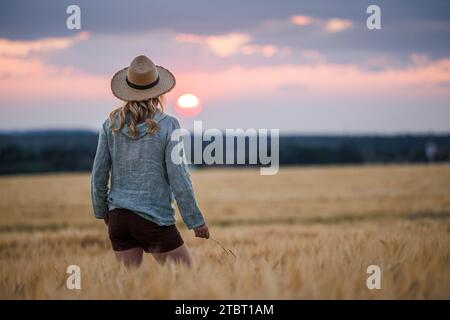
x,y
305,233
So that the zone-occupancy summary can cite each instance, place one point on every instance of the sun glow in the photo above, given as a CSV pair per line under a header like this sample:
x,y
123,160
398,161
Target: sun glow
x,y
188,105
188,101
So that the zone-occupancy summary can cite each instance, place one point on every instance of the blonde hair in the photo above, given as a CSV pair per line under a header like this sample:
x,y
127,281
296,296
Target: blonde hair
x,y
139,111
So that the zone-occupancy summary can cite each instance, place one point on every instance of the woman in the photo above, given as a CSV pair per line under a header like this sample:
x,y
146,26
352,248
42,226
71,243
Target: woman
x,y
135,145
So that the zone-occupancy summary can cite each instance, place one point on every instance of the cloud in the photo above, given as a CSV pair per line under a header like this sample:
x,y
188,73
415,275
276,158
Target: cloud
x,y
30,80
328,25
420,59
23,48
223,46
264,50
317,80
36,78
301,20
313,55
337,25
231,44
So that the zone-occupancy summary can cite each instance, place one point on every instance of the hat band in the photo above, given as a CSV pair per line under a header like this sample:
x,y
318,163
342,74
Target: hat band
x,y
142,87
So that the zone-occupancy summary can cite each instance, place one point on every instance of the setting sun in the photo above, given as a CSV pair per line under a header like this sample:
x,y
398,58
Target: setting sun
x,y
188,104
188,101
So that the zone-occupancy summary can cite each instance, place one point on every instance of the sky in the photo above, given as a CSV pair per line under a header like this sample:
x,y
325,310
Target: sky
x,y
309,67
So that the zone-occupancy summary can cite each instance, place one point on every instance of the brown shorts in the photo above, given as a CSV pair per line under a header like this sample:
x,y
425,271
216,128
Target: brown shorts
x,y
128,230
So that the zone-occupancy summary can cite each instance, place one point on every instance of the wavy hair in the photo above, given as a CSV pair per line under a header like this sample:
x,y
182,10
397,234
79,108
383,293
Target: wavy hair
x,y
139,111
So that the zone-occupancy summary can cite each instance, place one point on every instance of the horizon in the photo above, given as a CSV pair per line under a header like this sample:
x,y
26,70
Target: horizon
x,y
283,133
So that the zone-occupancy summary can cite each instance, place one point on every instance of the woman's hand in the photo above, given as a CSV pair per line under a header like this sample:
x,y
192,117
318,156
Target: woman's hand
x,y
202,231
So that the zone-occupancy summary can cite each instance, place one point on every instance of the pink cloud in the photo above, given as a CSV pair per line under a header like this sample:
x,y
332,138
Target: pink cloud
x,y
331,25
222,45
320,80
420,59
231,44
302,20
29,80
313,55
23,48
264,50
337,25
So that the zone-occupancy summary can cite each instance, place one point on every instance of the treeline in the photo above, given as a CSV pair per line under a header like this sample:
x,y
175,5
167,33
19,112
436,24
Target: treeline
x,y
47,151
74,150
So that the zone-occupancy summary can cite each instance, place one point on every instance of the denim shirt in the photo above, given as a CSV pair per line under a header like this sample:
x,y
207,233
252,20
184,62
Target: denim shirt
x,y
143,177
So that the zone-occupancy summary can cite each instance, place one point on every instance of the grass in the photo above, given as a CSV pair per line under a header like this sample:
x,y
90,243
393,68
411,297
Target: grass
x,y
305,233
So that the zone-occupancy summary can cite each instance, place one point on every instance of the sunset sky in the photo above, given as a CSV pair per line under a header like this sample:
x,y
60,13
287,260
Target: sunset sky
x,y
300,66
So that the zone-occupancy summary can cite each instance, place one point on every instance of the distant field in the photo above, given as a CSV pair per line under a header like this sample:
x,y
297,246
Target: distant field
x,y
303,233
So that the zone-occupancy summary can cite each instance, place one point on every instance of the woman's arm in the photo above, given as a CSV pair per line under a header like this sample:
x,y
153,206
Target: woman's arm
x,y
100,176
181,185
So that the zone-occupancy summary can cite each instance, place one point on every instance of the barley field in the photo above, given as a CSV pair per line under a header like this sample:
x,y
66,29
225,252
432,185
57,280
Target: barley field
x,y
305,233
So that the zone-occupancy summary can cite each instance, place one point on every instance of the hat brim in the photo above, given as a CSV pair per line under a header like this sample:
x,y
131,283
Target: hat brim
x,y
123,91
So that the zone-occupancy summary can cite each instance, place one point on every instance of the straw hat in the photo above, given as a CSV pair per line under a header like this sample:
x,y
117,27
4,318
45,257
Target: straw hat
x,y
142,80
